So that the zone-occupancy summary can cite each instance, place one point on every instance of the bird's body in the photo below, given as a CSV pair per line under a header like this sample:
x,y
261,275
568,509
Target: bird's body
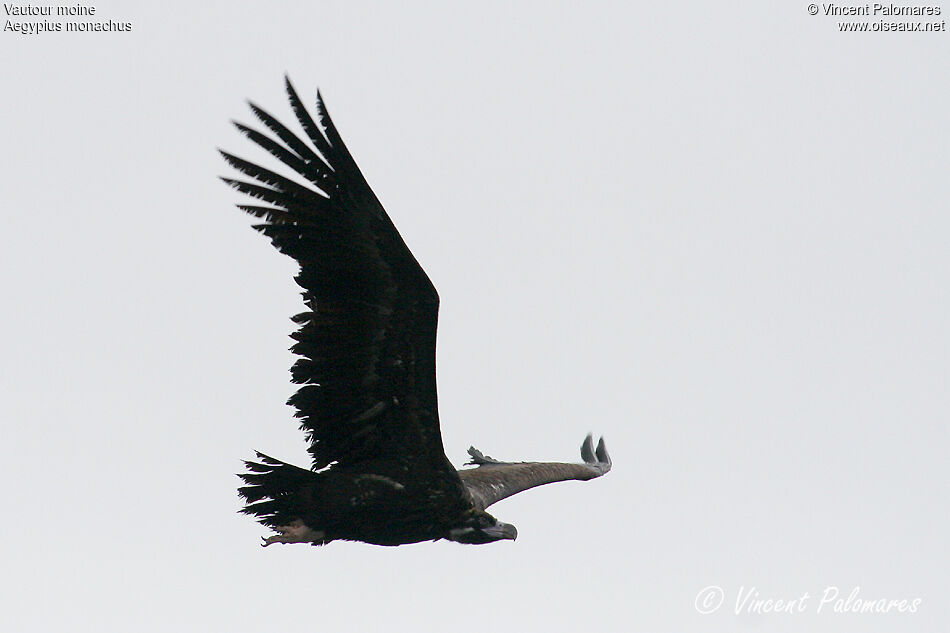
x,y
359,505
367,368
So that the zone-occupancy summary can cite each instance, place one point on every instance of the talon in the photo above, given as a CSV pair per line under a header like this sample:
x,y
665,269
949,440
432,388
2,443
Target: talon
x,y
296,532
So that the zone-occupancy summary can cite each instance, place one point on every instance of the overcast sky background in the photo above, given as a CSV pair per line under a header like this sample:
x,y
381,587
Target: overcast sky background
x,y
715,233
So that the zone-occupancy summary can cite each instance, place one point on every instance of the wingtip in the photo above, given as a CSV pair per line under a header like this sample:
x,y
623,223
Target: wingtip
x,y
291,91
322,111
598,457
253,107
602,455
587,449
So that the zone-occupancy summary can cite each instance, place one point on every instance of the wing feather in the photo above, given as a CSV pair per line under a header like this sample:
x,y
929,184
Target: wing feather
x,y
367,339
494,480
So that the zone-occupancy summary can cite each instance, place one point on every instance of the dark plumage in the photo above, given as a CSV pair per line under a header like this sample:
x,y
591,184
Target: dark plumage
x,y
367,366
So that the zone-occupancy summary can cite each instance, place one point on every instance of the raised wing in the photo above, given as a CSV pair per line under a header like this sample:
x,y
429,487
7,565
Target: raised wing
x,y
494,480
367,338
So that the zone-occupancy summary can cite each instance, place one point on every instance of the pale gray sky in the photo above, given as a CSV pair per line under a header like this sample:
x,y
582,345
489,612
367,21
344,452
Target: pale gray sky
x,y
715,233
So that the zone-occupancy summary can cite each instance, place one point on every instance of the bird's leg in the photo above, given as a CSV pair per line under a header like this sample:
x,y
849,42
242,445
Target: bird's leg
x,y
480,459
296,532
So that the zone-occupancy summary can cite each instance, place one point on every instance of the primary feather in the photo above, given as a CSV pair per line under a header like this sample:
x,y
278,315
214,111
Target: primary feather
x,y
366,342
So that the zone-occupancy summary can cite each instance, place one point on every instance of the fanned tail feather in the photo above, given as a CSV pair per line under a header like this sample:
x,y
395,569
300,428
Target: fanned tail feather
x,y
276,492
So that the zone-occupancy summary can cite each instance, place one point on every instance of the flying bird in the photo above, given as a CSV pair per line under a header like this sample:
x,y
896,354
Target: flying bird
x,y
366,343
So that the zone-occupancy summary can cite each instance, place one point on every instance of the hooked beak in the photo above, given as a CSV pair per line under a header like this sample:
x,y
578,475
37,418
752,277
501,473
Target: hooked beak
x,y
501,531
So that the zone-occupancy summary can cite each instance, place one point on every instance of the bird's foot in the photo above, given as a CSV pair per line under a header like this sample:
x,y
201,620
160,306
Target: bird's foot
x,y
296,532
480,459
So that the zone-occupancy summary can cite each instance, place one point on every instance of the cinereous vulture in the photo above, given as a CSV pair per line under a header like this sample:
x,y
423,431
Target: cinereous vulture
x,y
366,343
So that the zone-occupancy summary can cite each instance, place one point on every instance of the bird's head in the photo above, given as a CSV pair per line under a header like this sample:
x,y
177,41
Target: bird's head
x,y
479,528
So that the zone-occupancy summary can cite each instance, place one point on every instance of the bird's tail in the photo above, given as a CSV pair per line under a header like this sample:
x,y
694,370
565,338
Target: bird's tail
x,y
277,493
